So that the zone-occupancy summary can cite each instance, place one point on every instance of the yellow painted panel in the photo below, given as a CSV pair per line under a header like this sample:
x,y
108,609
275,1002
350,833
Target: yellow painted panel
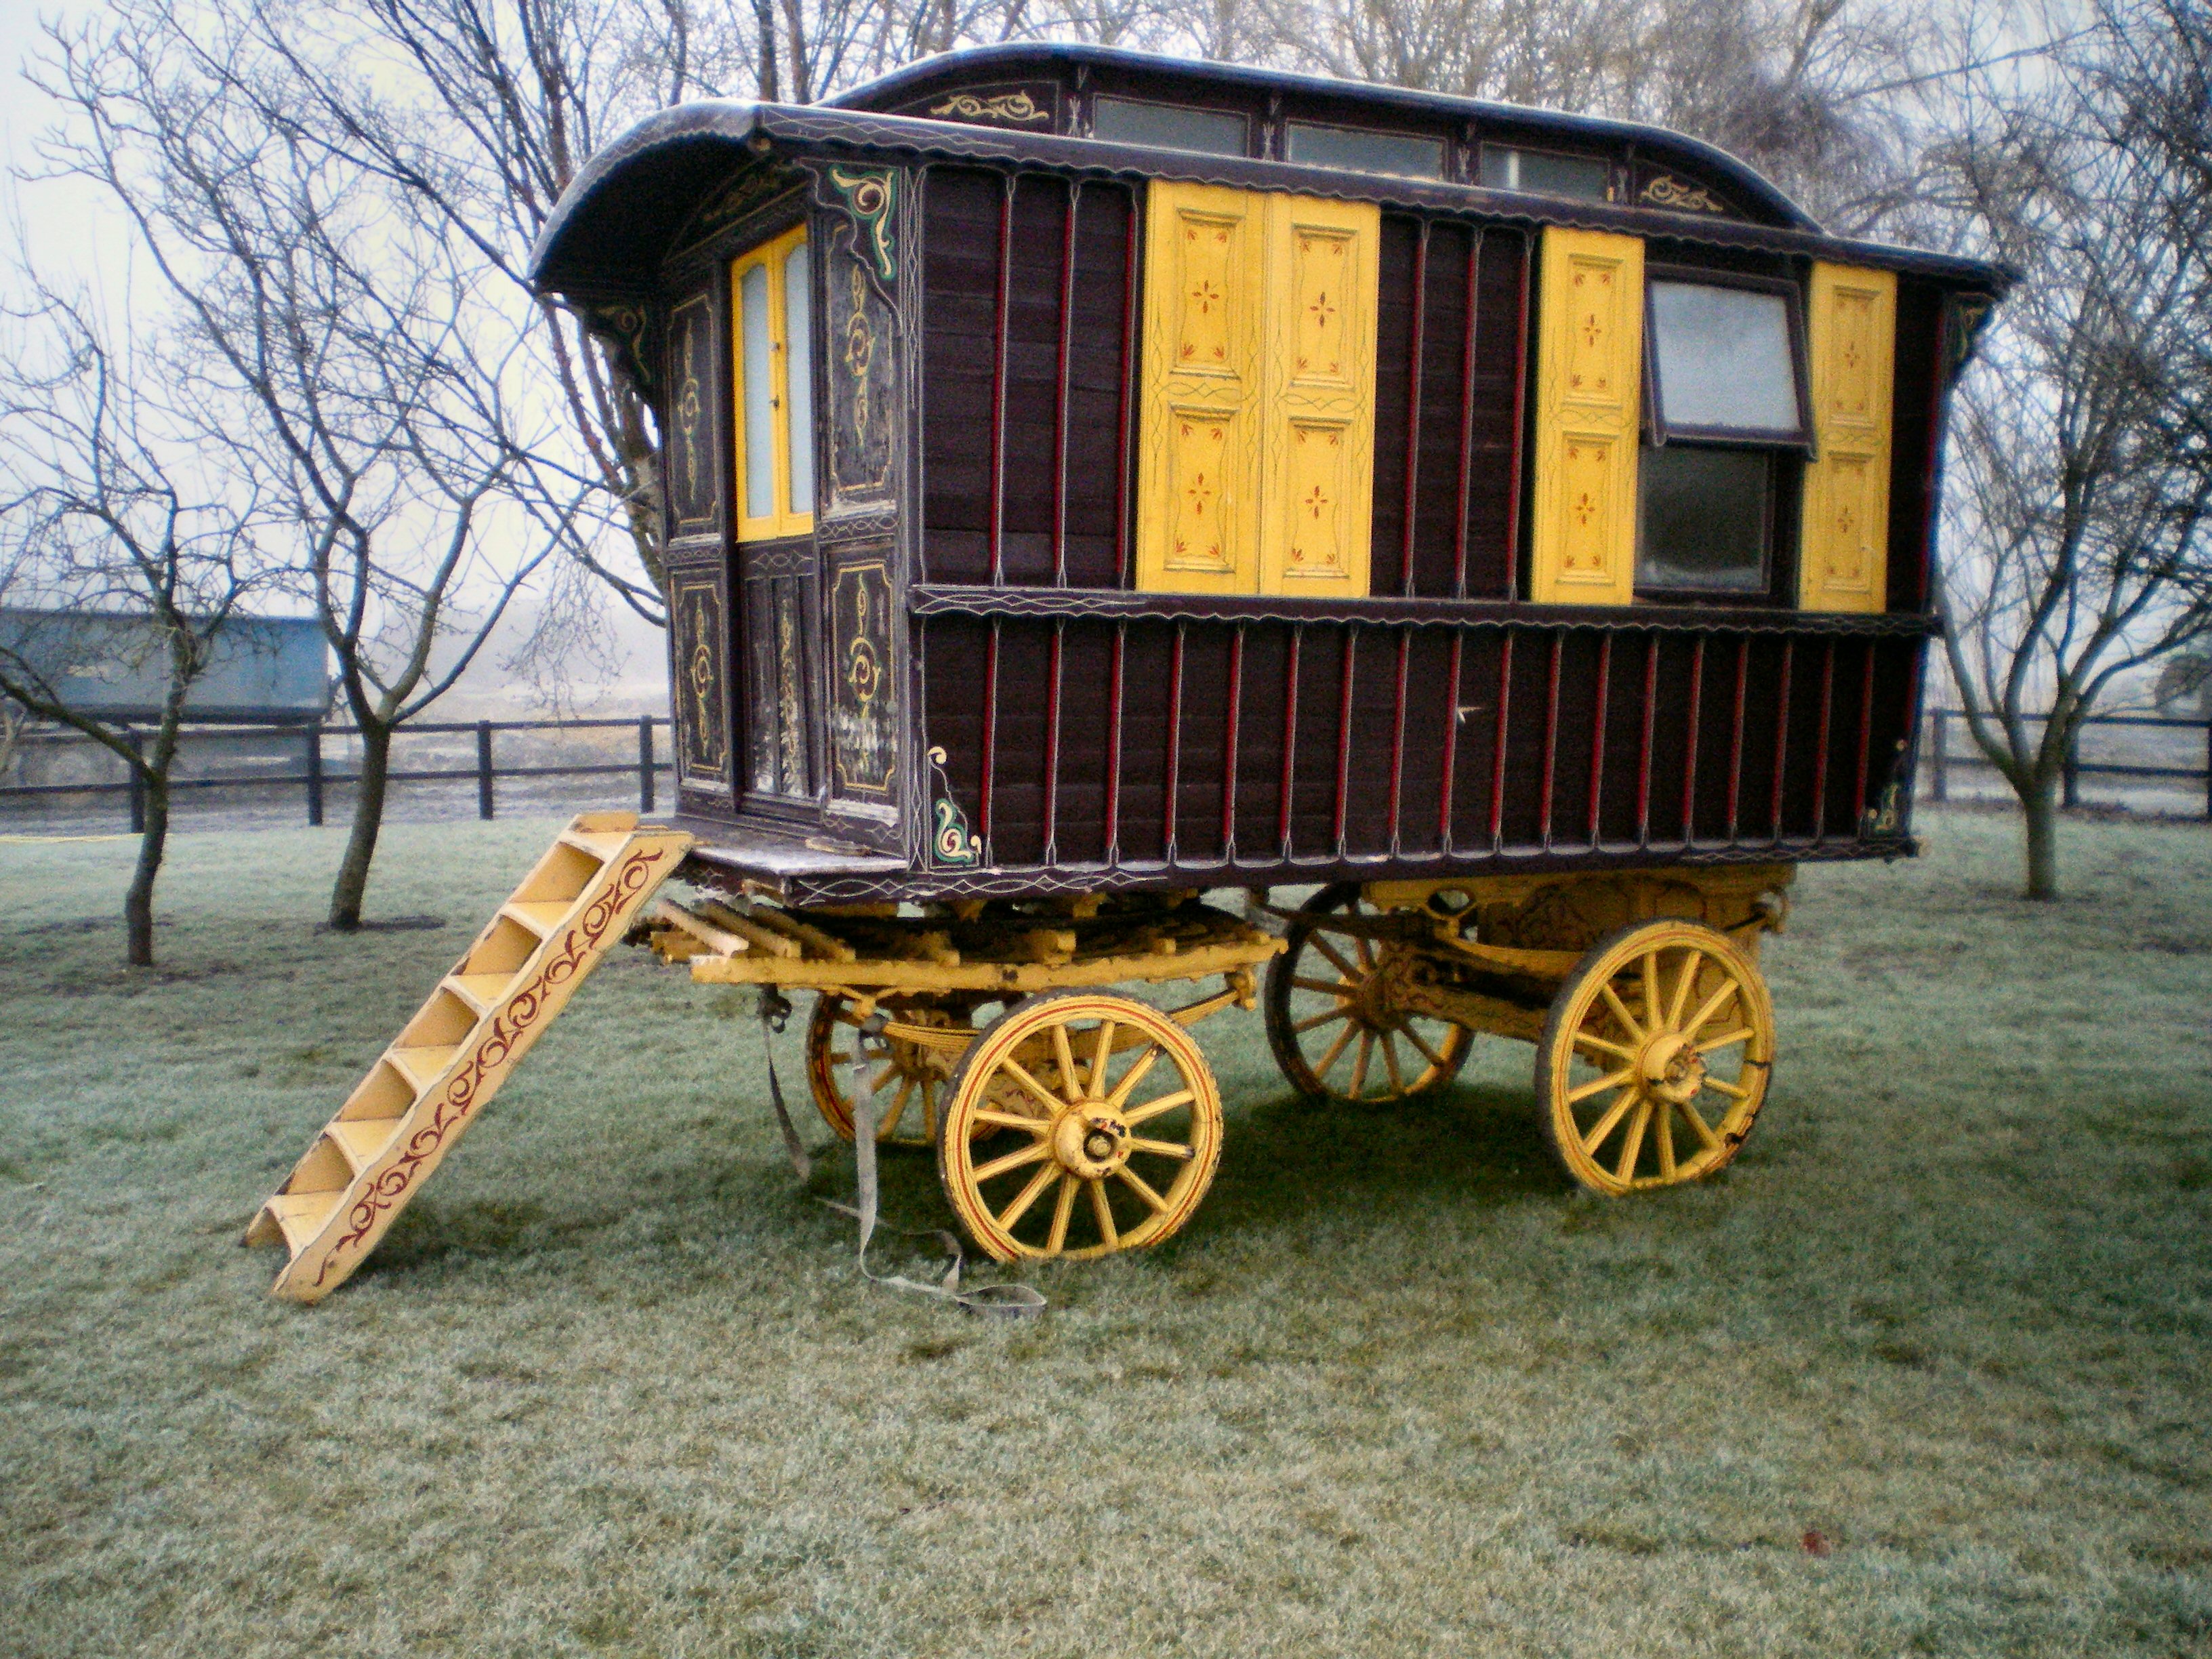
x,y
1589,353
779,519
1199,456
1843,561
1319,440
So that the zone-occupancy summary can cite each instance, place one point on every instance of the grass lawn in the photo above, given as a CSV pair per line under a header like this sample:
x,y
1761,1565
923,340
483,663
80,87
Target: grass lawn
x,y
611,1385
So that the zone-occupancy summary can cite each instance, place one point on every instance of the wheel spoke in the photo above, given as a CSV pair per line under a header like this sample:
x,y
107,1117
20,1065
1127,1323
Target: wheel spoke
x,y
1728,1089
1359,1065
1143,1188
998,1166
1036,1126
1164,1148
1743,1033
1651,990
1697,1121
1714,1004
1064,1056
1101,1057
1013,1068
1135,1075
1108,1233
1352,975
1625,1171
1613,1081
1338,1012
1152,1108
929,1112
1692,957
1390,1064
1427,1052
1606,1125
1063,1207
1028,1195
1366,952
1666,1143
1328,1062
1343,990
1636,1032
898,1108
1601,1042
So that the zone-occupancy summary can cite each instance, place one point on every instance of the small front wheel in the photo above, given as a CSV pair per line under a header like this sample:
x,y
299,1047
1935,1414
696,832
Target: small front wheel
x,y
1078,1124
908,1083
1656,1057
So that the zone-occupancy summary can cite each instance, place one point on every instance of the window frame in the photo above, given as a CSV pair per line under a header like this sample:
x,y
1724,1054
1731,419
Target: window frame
x,y
1482,152
1658,431
1243,116
1441,175
779,522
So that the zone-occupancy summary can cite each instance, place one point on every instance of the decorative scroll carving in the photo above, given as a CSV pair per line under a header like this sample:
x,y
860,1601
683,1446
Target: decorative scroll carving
x,y
1666,191
691,462
864,376
697,618
1012,106
869,197
864,730
626,329
949,843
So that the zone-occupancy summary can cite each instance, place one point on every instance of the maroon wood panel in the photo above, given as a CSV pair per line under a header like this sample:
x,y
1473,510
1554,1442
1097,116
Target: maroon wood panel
x,y
1915,430
959,271
1268,748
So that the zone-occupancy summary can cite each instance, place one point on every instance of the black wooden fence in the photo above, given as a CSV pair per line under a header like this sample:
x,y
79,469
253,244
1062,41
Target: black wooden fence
x,y
314,778
1944,752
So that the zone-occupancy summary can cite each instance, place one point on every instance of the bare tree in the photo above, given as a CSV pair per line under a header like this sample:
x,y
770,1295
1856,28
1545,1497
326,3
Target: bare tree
x,y
341,328
112,522
2081,500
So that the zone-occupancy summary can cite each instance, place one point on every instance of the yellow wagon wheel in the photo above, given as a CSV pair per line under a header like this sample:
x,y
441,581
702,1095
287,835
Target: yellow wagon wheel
x,y
1656,1057
1079,1124
910,1084
1330,1022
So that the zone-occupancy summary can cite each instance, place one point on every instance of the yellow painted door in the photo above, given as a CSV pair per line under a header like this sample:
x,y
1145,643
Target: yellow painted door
x,y
1197,524
1843,559
1589,356
1318,445
1258,425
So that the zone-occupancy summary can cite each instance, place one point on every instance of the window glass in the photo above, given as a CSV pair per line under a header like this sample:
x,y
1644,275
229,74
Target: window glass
x,y
760,391
1702,518
1400,153
1723,360
1541,174
1163,126
799,375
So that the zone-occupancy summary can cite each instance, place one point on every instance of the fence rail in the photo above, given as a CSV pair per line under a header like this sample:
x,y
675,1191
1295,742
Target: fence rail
x,y
314,778
1940,762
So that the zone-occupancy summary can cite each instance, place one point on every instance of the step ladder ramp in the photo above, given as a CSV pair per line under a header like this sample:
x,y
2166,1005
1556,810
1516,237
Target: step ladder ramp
x,y
424,1090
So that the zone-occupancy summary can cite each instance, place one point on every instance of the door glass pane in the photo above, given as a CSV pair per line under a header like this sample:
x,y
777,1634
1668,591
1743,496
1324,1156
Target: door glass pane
x,y
760,393
1162,126
1724,359
1400,153
798,371
1704,518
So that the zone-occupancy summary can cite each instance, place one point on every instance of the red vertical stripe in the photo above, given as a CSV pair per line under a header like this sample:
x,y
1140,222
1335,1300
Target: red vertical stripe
x,y
1413,410
1059,396
1550,735
1052,747
1820,754
1520,411
1782,735
1398,737
1113,748
990,737
1498,744
1229,745
1735,734
1175,742
1451,745
1690,751
1465,420
1597,733
1290,739
1643,742
998,385
1344,735
1866,742
1122,471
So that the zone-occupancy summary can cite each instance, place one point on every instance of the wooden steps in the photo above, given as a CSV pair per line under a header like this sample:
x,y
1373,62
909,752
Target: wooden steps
x,y
427,1088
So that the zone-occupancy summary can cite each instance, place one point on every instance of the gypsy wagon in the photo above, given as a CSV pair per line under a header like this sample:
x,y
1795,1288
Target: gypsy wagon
x,y
1095,482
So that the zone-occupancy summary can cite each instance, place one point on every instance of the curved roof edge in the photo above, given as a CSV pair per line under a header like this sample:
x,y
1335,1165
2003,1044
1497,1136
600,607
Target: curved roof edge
x,y
1756,189
618,219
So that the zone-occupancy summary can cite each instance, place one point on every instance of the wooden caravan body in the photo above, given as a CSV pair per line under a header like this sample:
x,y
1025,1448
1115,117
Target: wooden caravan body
x,y
1031,635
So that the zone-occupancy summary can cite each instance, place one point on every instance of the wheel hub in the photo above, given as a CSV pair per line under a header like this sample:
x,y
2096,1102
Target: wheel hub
x,y
1670,1068
1090,1141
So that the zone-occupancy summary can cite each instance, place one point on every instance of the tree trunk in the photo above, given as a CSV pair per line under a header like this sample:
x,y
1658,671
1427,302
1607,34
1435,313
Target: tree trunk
x,y
367,822
2040,803
138,903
